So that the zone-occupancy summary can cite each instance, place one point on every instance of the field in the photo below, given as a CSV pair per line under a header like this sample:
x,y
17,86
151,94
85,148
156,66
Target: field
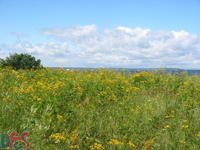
x,y
101,109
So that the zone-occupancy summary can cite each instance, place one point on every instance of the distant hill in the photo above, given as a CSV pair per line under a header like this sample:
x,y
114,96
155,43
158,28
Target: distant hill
x,y
135,70
168,70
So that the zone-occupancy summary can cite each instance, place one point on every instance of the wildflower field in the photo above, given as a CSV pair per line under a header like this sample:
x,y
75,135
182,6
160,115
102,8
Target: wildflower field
x,y
101,109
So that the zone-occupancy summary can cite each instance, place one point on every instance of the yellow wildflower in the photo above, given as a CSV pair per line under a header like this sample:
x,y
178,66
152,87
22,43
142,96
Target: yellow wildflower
x,y
183,142
58,137
96,146
74,136
185,126
141,74
133,89
149,143
167,126
131,144
198,134
6,99
36,98
184,121
115,142
74,147
60,118
59,84
169,116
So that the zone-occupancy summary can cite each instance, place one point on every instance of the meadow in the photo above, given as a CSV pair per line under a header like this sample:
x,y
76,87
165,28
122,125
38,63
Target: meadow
x,y
101,109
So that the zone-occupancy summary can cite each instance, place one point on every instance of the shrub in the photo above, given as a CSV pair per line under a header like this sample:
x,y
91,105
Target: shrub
x,y
21,61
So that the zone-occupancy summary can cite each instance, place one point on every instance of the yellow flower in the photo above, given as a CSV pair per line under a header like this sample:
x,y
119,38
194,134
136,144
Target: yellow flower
x,y
58,137
169,116
167,126
96,146
74,136
5,99
59,84
149,143
172,111
141,74
185,126
131,144
35,98
74,147
115,142
184,121
133,89
198,134
182,142
60,118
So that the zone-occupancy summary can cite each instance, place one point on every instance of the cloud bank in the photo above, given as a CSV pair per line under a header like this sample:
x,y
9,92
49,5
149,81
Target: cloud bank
x,y
86,46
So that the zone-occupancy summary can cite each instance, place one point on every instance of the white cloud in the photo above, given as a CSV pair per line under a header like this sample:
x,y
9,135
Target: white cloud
x,y
85,46
74,32
169,48
45,49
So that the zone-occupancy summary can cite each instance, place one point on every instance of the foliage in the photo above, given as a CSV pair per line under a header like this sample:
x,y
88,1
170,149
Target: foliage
x,y
21,61
101,109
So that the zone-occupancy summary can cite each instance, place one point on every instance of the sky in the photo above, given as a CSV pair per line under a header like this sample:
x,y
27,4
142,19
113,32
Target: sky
x,y
103,33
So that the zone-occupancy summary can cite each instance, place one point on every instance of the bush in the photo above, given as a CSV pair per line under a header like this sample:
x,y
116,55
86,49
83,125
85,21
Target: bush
x,y
21,61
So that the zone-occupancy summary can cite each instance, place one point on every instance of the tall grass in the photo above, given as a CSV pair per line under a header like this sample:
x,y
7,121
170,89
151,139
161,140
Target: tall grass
x,y
101,109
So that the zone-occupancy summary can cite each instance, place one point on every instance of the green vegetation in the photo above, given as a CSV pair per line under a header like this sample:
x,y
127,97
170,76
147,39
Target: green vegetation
x,y
101,110
20,61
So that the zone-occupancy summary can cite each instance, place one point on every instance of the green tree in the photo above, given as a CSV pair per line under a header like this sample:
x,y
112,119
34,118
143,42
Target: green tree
x,y
21,61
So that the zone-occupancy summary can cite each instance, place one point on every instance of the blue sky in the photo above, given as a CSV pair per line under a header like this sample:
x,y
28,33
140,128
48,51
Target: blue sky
x,y
29,24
